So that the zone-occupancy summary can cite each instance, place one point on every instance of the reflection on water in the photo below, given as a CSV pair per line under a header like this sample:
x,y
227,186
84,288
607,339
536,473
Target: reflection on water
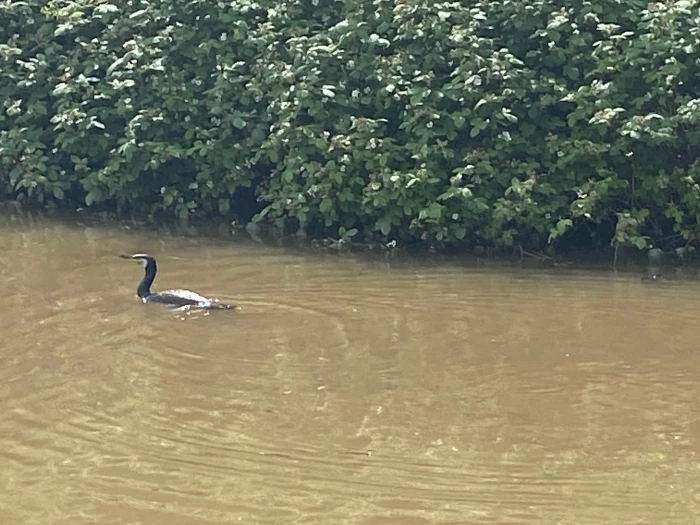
x,y
345,391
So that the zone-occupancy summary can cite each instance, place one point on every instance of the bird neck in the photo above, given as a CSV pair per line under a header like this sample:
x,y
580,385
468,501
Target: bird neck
x,y
144,289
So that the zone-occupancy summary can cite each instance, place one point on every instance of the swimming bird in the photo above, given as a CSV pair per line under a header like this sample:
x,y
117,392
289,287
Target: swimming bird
x,y
173,298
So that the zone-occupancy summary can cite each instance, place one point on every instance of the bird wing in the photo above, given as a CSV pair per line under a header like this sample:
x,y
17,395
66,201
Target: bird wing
x,y
182,298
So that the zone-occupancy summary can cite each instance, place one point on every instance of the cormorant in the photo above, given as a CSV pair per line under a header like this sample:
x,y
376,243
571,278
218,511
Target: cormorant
x,y
174,298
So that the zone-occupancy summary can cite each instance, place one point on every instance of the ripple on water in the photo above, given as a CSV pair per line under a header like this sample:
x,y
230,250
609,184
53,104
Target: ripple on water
x,y
341,393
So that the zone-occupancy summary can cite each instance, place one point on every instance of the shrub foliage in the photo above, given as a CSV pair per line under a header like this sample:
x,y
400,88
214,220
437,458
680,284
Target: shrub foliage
x,y
516,123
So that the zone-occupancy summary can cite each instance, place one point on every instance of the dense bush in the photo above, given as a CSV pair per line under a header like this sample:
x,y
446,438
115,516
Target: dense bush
x,y
496,123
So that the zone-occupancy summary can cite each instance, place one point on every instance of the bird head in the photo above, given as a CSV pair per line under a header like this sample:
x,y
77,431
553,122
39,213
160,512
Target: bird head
x,y
141,258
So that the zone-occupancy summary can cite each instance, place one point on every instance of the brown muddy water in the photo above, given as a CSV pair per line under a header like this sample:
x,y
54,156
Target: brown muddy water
x,y
346,391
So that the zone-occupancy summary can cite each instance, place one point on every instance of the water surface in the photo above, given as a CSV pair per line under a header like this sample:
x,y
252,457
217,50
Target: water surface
x,y
346,390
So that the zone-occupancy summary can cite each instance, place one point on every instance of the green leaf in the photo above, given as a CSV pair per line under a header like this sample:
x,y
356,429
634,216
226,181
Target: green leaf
x,y
93,196
106,8
571,72
640,242
458,121
384,225
563,224
118,62
260,216
509,116
434,210
336,176
238,122
61,88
